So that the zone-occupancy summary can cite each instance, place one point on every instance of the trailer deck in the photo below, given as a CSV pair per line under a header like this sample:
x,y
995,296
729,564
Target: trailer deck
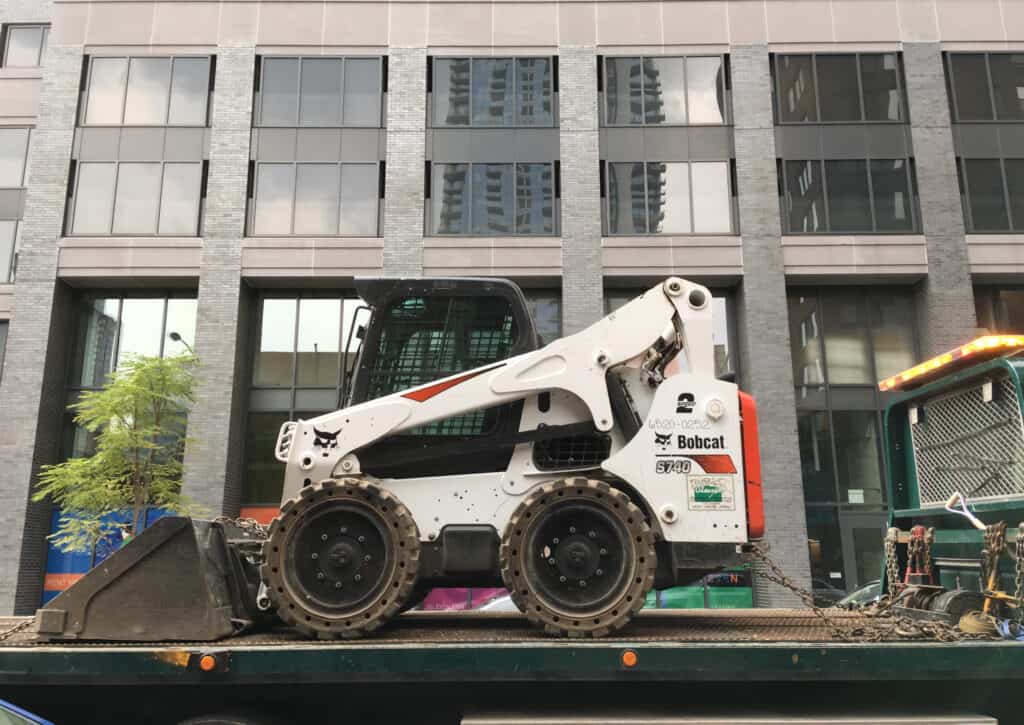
x,y
682,645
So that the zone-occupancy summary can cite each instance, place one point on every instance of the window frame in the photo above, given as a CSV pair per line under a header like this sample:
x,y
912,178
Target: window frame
x,y
258,97
954,105
25,164
9,269
965,196
433,77
86,91
255,196
725,88
200,206
556,199
901,87
911,175
607,197
41,50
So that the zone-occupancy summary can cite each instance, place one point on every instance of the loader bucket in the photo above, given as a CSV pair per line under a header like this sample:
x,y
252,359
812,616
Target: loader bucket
x,y
177,580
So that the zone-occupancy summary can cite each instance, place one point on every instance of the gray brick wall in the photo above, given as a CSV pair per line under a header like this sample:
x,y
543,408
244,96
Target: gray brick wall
x,y
32,388
579,152
406,156
945,309
763,326
213,457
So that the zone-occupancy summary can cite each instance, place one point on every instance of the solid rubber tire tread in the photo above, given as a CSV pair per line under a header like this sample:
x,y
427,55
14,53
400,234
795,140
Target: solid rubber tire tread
x,y
618,504
391,599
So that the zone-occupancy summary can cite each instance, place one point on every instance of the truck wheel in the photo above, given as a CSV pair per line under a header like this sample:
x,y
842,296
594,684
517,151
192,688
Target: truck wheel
x,y
341,558
578,557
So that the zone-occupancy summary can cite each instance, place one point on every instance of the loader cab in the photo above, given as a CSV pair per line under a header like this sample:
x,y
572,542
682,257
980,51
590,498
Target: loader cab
x,y
419,330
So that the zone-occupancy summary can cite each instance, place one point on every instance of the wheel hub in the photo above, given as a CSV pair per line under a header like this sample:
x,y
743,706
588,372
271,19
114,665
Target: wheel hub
x,y
577,557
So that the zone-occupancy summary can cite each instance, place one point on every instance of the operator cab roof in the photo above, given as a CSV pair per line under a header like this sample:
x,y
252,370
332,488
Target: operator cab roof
x,y
974,352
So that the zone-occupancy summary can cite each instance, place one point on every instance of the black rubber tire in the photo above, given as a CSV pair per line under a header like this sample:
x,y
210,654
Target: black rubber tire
x,y
640,558
404,542
231,719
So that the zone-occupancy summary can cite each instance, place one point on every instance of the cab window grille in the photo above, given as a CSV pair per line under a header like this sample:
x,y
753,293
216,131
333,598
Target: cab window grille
x,y
580,451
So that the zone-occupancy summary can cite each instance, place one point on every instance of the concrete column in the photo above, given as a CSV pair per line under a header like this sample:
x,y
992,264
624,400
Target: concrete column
x,y
26,11
945,305
765,359
582,283
213,458
32,389
406,156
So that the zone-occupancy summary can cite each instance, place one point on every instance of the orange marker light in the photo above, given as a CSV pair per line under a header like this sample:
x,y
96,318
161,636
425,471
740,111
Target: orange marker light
x,y
630,659
981,349
207,663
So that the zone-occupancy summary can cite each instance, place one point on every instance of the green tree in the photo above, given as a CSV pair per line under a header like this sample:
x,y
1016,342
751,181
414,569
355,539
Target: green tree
x,y
138,421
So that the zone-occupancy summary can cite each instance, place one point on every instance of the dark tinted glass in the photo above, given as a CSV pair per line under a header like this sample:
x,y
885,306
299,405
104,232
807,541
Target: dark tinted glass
x,y
891,188
623,91
985,195
96,337
320,97
892,332
816,456
533,92
796,88
190,86
493,199
805,341
264,474
535,193
857,464
280,89
880,82
451,91
846,339
1015,185
838,93
668,198
849,205
493,92
1008,85
970,86
627,208
664,91
450,192
805,203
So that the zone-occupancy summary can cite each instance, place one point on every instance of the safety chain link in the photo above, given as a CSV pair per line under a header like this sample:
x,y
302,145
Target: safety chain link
x,y
892,565
878,622
19,627
995,545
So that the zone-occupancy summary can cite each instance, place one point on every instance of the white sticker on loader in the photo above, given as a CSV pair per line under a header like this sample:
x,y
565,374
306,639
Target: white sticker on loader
x,y
711,493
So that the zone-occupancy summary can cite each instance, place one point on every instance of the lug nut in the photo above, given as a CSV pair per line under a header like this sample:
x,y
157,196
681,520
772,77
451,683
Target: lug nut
x,y
551,561
604,552
323,537
337,585
315,555
555,541
572,529
361,539
357,578
367,557
583,584
344,529
599,572
562,579
320,575
592,534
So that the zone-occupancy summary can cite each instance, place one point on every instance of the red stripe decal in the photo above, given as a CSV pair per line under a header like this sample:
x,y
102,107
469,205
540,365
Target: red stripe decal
x,y
423,394
713,462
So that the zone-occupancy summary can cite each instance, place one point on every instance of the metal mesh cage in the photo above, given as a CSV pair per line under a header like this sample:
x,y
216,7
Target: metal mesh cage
x,y
962,443
580,451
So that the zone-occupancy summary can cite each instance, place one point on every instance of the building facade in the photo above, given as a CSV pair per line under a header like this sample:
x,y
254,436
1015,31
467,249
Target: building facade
x,y
846,175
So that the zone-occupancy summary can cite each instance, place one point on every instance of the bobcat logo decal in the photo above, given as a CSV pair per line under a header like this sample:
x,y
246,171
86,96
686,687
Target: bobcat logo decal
x,y
325,439
662,440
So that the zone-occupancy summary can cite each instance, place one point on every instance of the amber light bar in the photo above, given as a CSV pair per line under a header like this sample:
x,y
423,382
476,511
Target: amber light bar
x,y
979,349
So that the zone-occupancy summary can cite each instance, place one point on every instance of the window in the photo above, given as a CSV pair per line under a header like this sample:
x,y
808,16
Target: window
x,y
986,86
843,341
148,91
8,249
299,366
3,344
25,45
320,92
848,196
993,194
493,199
546,310
723,323
839,88
318,199
144,199
1000,309
13,157
665,90
669,198
492,92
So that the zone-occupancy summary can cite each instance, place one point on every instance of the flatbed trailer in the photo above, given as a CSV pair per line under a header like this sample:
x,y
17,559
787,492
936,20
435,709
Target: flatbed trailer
x,y
451,667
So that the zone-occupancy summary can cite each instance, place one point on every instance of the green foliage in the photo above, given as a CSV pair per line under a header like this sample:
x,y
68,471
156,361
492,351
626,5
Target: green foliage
x,y
138,420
